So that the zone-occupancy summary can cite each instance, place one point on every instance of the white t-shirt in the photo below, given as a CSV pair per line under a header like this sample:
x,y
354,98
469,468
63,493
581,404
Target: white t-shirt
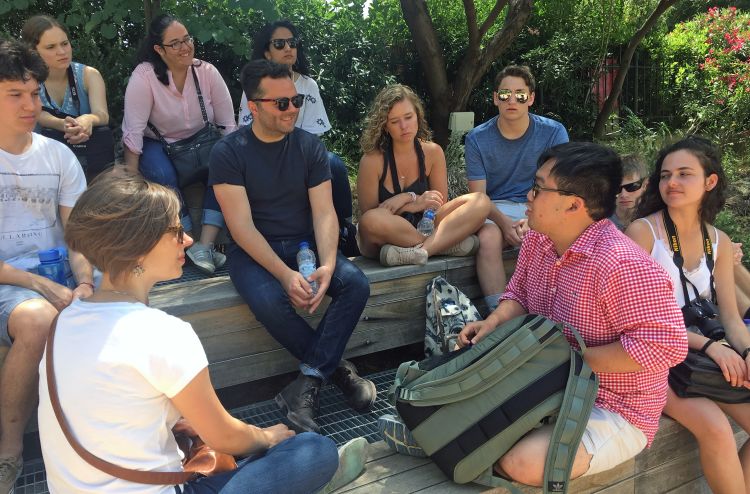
x,y
116,365
312,114
32,187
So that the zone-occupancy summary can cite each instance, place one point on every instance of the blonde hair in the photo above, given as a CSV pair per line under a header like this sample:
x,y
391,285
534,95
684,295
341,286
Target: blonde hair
x,y
375,136
118,220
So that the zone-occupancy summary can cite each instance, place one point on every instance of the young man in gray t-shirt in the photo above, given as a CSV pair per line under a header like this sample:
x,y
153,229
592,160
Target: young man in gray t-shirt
x,y
501,159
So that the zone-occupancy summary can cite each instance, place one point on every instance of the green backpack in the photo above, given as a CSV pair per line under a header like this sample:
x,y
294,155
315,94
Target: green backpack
x,y
468,408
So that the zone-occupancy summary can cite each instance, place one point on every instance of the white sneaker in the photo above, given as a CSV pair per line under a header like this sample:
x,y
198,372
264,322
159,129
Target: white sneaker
x,y
352,458
202,257
10,470
391,255
465,248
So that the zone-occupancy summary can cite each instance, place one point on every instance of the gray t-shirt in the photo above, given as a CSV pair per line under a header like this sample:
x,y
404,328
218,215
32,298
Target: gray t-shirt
x,y
508,165
276,177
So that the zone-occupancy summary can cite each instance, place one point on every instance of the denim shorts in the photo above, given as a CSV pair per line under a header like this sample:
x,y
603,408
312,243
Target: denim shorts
x,y
611,440
513,210
10,297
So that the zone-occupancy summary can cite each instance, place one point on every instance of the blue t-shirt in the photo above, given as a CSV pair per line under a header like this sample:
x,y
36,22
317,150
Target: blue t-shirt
x,y
276,177
508,165
68,105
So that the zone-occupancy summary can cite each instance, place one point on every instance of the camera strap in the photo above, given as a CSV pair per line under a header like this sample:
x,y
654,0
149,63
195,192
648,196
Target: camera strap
x,y
679,261
73,95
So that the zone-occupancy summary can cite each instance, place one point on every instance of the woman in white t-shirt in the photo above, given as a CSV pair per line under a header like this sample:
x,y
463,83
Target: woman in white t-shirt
x,y
280,42
127,374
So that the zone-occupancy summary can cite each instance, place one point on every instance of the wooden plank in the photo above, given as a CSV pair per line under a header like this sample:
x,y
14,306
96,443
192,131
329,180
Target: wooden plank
x,y
696,486
383,468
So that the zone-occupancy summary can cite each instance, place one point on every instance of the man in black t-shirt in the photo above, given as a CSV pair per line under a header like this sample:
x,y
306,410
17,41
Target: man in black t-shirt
x,y
273,183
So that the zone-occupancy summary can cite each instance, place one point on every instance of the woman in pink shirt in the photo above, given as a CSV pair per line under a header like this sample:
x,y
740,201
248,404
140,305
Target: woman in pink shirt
x,y
161,91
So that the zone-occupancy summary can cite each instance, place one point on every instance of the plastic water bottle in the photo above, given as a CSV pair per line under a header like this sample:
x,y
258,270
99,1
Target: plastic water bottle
x,y
52,265
306,264
427,224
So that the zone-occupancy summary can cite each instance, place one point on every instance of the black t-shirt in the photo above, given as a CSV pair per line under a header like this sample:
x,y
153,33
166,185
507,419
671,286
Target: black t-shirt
x,y
276,177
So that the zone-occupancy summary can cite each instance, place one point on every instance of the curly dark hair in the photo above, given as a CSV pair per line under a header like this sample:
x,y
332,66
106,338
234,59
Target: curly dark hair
x,y
155,36
709,156
262,42
21,62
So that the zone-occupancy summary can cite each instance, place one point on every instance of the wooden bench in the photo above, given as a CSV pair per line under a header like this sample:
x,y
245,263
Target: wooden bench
x,y
240,350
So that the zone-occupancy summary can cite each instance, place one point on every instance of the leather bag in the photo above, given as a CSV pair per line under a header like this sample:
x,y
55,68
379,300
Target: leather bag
x,y
200,459
699,376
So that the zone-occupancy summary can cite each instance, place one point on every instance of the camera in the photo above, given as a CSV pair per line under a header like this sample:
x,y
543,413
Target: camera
x,y
702,313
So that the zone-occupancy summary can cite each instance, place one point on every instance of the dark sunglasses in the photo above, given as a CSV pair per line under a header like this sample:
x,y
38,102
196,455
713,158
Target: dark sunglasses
x,y
536,188
279,43
283,103
505,94
179,231
632,186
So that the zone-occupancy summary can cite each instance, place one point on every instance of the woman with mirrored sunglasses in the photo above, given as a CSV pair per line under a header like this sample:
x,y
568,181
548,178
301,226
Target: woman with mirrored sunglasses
x,y
162,93
280,42
684,194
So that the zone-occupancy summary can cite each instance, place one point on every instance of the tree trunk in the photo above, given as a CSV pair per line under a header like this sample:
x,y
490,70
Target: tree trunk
x,y
627,58
150,9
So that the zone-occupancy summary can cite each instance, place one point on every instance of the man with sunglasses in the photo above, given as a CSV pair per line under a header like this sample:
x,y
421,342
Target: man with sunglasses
x,y
273,183
40,180
501,159
634,181
576,268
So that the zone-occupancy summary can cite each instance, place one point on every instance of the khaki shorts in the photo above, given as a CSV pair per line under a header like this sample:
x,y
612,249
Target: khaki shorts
x,y
611,440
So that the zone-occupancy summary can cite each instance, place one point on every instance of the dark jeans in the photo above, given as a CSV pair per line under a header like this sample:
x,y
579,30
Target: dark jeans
x,y
318,350
302,464
342,193
156,166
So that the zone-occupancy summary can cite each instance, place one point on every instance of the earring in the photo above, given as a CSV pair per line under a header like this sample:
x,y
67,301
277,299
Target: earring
x,y
138,270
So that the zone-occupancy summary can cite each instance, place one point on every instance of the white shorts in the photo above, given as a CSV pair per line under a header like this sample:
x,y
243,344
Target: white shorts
x,y
611,440
513,210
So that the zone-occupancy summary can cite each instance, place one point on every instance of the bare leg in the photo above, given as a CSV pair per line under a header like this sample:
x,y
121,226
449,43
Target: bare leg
x,y
378,227
741,415
28,326
742,282
209,234
707,422
490,269
456,220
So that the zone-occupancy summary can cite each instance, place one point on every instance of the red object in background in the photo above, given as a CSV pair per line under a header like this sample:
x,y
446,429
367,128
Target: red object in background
x,y
603,85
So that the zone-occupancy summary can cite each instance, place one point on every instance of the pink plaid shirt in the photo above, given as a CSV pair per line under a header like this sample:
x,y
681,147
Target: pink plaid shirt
x,y
609,289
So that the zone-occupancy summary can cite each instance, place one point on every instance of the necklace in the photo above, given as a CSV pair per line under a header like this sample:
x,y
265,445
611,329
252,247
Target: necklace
x,y
126,294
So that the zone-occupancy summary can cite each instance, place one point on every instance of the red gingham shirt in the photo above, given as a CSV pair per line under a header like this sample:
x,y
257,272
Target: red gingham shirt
x,y
609,289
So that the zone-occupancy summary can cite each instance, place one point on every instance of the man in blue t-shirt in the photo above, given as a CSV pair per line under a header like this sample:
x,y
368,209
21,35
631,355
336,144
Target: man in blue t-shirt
x,y
273,183
501,159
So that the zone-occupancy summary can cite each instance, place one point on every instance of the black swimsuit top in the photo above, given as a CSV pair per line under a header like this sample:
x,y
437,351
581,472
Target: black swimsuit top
x,y
419,186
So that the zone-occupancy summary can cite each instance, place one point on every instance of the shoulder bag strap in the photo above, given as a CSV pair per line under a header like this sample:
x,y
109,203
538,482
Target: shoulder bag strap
x,y
137,476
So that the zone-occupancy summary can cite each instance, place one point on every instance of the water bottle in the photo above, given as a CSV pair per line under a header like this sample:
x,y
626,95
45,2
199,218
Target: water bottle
x,y
306,264
427,224
52,266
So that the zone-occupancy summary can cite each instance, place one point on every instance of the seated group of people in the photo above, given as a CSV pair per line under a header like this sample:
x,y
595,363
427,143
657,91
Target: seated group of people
x,y
126,374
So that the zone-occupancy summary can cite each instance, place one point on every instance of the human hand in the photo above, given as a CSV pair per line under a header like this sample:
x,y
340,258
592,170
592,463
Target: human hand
x,y
396,202
430,199
83,290
731,364
323,276
74,131
510,231
56,294
473,333
737,252
276,434
297,289
521,227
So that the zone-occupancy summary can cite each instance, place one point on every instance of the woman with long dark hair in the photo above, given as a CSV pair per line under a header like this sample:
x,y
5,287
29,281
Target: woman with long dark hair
x,y
684,194
162,93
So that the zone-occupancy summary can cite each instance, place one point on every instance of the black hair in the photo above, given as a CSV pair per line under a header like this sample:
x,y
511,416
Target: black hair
x,y
255,70
522,71
21,62
36,26
262,43
588,170
155,36
709,157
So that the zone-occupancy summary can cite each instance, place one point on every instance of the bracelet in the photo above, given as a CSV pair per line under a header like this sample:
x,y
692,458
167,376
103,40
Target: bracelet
x,y
86,283
745,352
413,196
708,344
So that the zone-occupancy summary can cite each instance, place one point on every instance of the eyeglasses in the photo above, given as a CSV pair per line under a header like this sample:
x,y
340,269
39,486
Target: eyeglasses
x,y
279,43
187,40
283,103
505,94
179,231
632,186
536,188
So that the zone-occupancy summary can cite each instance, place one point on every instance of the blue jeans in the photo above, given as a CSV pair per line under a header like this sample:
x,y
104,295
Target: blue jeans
x,y
342,193
318,350
302,464
156,166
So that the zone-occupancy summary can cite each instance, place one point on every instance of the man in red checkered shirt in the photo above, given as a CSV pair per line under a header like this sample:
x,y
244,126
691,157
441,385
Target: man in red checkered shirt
x,y
575,267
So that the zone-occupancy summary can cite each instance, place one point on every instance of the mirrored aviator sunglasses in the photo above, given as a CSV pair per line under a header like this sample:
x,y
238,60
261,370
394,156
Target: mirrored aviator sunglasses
x,y
283,103
279,43
632,186
505,94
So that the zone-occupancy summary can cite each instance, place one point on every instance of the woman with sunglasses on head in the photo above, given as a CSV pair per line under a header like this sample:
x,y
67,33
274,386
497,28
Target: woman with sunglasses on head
x,y
162,93
682,198
74,96
127,375
280,42
401,176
